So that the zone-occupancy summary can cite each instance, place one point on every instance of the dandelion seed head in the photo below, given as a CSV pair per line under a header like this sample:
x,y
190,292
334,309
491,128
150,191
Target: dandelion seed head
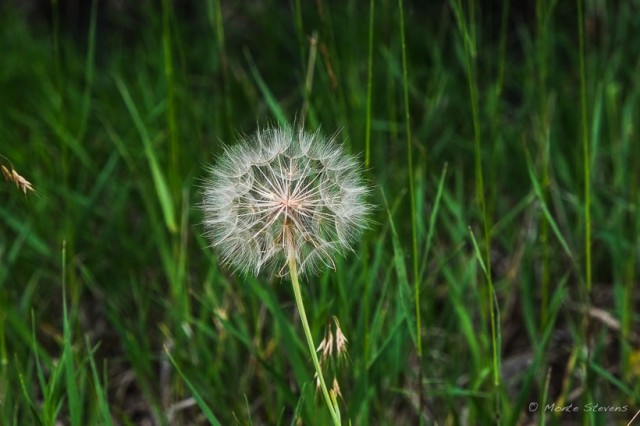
x,y
284,193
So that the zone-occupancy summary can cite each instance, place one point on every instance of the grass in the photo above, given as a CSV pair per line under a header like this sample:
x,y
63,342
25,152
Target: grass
x,y
502,268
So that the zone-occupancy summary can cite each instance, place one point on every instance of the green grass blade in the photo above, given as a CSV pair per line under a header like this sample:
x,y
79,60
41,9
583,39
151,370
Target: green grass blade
x,y
543,205
272,103
584,133
101,392
367,142
213,420
172,126
403,281
412,196
159,181
34,409
464,316
606,375
89,71
558,298
73,395
478,253
434,213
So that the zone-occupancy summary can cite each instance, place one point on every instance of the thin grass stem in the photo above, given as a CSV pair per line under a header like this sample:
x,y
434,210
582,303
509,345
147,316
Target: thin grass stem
x,y
585,149
412,198
470,48
217,24
503,46
172,127
542,17
367,164
414,231
367,156
587,199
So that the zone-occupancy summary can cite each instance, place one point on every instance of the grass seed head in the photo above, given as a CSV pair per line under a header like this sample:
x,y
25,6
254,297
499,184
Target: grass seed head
x,y
341,341
325,348
13,176
281,194
333,347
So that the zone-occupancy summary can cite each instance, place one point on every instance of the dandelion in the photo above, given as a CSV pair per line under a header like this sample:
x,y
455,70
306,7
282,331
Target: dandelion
x,y
289,201
282,194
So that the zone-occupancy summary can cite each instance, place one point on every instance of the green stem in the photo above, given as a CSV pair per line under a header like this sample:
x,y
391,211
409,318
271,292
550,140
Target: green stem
x,y
585,150
412,195
367,156
307,333
587,202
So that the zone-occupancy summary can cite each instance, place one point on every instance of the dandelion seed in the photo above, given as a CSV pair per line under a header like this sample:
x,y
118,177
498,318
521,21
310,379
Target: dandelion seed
x,y
283,194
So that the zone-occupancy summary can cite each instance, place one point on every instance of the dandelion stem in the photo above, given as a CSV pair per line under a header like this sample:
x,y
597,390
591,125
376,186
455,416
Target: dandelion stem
x,y
307,332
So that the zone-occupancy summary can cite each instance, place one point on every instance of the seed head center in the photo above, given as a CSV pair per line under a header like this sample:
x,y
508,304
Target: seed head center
x,y
290,202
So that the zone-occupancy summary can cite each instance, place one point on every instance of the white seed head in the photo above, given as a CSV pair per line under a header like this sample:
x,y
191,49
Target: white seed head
x,y
283,193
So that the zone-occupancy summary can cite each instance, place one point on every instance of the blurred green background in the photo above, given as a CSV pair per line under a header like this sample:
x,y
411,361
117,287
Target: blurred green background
x,y
501,270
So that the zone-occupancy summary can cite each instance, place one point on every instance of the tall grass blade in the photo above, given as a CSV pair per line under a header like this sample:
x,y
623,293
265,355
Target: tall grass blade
x,y
434,214
73,395
271,101
464,316
89,71
403,281
559,296
213,420
417,335
543,205
100,389
172,126
159,181
367,138
585,148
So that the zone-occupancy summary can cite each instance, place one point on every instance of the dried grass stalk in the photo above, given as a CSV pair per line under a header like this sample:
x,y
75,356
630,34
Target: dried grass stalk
x,y
15,177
